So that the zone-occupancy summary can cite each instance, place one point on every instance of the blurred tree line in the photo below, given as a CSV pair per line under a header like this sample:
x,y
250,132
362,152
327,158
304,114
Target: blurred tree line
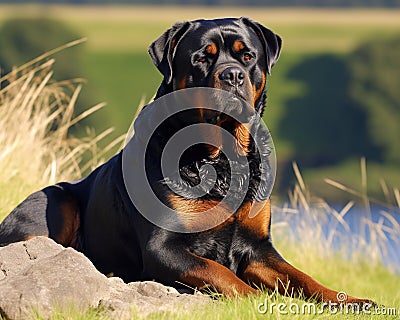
x,y
22,39
280,3
375,86
351,109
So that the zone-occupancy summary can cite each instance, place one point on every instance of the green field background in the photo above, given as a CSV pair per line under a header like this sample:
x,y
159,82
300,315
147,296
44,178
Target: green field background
x,y
119,71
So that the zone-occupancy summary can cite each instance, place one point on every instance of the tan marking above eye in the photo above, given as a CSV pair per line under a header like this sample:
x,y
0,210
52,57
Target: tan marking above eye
x,y
238,46
212,49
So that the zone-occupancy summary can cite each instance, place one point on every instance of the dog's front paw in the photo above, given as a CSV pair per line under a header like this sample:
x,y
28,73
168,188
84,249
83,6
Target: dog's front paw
x,y
367,303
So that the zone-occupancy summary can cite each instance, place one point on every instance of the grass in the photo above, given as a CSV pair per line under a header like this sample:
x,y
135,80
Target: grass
x,y
363,280
138,72
348,173
36,115
264,306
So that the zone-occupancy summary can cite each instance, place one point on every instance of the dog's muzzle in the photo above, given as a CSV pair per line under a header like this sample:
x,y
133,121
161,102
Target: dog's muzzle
x,y
232,76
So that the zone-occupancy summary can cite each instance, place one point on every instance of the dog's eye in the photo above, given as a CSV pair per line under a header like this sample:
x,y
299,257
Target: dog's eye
x,y
247,56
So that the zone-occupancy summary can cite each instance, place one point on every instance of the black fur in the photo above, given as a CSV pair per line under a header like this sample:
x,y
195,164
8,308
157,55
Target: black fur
x,y
96,216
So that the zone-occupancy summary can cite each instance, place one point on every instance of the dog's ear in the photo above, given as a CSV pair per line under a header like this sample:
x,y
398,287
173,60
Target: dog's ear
x,y
163,49
271,41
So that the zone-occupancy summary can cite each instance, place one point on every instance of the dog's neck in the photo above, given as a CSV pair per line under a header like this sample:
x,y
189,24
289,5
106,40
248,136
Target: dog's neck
x,y
247,170
163,89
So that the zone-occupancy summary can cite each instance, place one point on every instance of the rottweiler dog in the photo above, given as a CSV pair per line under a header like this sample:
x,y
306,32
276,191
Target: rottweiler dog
x,y
96,216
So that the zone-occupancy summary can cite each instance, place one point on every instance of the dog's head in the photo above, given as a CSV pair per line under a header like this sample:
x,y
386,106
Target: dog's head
x,y
232,54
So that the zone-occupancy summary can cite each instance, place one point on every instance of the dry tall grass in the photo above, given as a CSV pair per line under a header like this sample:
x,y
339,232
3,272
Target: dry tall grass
x,y
36,147
314,225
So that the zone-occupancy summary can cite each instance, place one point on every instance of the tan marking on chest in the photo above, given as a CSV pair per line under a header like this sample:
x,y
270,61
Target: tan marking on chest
x,y
243,138
255,217
200,214
182,83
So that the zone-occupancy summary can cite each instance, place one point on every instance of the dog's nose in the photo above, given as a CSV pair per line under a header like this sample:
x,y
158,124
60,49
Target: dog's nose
x,y
234,76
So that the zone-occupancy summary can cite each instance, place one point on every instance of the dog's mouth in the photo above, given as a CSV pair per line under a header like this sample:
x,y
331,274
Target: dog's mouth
x,y
228,112
223,122
230,107
232,114
237,94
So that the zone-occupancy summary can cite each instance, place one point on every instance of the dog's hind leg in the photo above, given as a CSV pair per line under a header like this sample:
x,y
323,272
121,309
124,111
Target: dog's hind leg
x,y
52,212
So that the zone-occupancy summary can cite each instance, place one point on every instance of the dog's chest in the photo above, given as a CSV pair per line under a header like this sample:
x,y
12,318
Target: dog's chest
x,y
230,242
225,246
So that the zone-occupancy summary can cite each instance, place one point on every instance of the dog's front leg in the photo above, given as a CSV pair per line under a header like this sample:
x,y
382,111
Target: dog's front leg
x,y
210,273
268,269
171,262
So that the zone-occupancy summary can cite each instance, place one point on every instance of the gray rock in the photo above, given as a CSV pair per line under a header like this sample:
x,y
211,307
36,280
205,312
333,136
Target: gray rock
x,y
41,279
39,276
148,297
18,256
